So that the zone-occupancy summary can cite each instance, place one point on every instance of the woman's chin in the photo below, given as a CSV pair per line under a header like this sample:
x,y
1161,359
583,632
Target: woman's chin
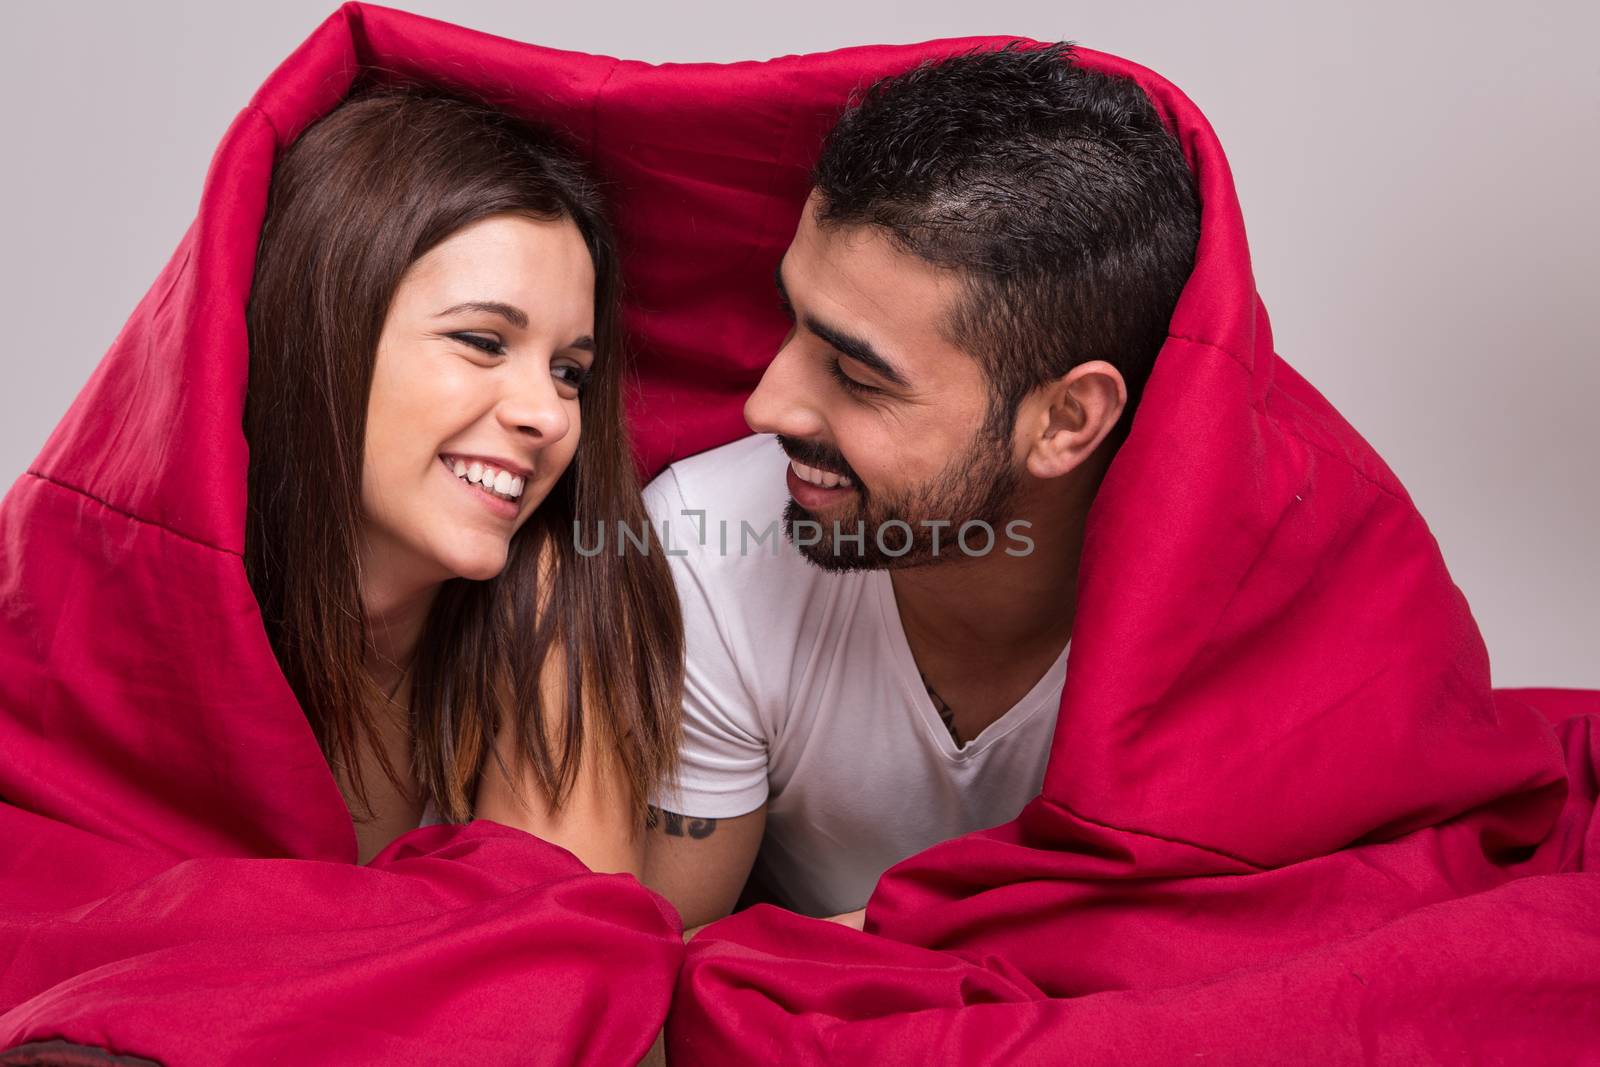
x,y
483,572
476,566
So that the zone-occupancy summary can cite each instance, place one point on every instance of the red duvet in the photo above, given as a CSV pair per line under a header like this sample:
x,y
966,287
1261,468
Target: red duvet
x,y
1286,819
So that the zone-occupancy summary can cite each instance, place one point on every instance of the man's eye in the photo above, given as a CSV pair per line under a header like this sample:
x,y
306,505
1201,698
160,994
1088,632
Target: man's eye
x,y
492,345
847,383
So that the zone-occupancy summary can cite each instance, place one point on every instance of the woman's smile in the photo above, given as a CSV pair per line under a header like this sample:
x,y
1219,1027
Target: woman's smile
x,y
495,488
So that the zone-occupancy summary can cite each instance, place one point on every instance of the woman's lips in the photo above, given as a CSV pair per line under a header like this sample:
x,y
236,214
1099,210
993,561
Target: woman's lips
x,y
505,509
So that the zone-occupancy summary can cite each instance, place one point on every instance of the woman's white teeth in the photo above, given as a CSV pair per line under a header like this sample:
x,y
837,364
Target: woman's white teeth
x,y
502,483
825,479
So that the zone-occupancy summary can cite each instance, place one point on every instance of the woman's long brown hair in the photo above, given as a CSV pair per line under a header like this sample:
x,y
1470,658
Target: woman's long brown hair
x,y
355,200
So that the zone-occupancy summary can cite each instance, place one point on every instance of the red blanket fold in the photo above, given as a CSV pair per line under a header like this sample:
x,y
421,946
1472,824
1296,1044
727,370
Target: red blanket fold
x,y
1285,817
1415,950
471,945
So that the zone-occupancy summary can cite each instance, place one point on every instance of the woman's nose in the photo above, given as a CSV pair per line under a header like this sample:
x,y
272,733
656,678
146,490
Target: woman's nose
x,y
532,405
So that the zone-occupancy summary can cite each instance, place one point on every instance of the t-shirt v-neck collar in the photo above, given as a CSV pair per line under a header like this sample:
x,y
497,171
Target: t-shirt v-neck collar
x,y
1046,692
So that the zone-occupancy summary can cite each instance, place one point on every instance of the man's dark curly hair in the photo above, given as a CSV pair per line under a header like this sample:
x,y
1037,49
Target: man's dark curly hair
x,y
1057,193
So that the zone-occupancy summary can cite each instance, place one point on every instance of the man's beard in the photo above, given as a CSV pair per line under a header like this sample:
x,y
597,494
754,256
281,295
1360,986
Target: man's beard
x,y
978,486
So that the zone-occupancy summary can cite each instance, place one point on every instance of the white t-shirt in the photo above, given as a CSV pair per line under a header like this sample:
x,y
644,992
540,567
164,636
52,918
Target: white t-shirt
x,y
802,692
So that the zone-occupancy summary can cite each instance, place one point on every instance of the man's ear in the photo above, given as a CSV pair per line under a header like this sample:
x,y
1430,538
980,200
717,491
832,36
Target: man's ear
x,y
1062,422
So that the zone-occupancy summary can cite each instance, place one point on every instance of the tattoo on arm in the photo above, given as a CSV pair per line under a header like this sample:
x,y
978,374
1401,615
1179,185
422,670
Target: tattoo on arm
x,y
675,825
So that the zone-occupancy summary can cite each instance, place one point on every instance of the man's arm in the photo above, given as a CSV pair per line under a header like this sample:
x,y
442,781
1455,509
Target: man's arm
x,y
700,865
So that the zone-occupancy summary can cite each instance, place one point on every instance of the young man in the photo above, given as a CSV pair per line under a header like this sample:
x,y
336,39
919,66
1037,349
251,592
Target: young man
x,y
979,284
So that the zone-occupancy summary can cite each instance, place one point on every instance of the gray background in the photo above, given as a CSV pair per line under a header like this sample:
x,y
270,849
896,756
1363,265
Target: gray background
x,y
1418,180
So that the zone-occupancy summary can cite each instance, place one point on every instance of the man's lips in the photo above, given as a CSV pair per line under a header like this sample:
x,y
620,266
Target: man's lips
x,y
813,496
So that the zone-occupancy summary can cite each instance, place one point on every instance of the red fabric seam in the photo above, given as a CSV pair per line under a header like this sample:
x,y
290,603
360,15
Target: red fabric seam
x,y
130,515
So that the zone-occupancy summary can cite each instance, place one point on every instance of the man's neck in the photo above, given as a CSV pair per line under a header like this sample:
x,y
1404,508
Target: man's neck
x,y
984,630
980,613
998,607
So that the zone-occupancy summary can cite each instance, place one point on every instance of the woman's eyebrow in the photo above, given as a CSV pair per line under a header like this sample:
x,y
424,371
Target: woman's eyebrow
x,y
514,315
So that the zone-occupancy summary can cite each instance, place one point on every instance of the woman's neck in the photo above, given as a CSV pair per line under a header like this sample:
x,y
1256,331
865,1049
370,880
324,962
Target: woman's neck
x,y
394,628
396,602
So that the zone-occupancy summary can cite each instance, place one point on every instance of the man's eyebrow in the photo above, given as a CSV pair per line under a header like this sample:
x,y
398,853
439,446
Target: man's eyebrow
x,y
857,349
514,315
845,344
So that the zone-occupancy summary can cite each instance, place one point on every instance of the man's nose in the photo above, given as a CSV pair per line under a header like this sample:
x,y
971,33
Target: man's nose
x,y
784,401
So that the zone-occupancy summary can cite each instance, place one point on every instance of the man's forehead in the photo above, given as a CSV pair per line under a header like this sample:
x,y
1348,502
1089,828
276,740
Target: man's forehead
x,y
858,272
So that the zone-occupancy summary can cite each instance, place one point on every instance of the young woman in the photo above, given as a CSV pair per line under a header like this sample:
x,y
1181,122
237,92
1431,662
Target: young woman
x,y
434,401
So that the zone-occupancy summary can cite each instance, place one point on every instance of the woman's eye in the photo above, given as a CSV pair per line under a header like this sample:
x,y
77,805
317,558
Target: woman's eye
x,y
571,375
492,345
